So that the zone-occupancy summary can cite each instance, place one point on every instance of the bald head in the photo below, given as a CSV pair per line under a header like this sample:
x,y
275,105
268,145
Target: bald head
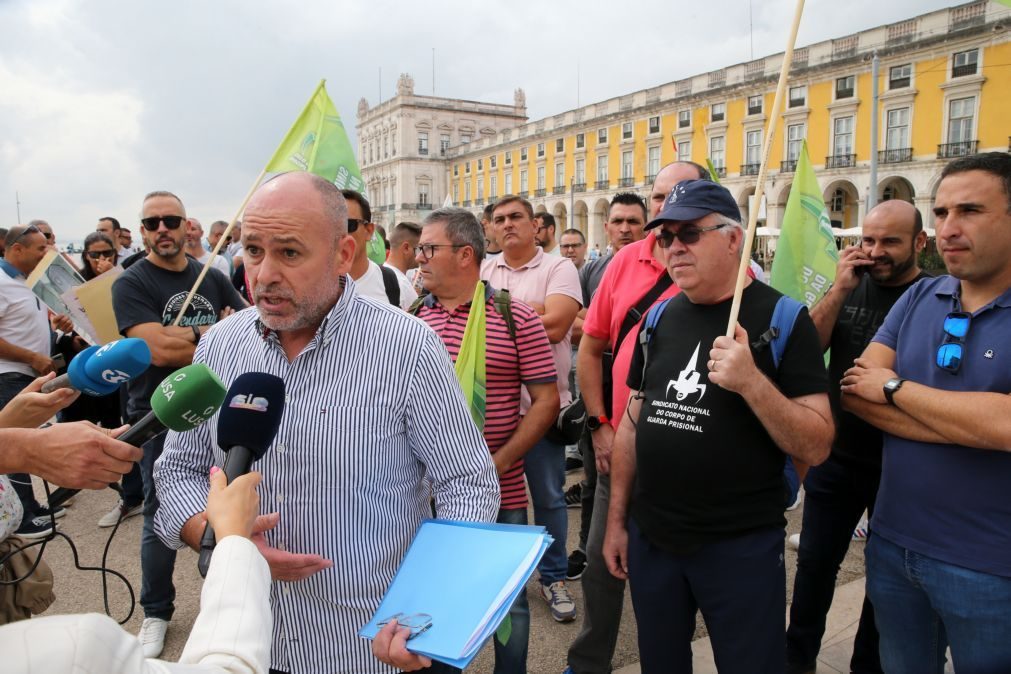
x,y
669,176
892,237
901,213
317,193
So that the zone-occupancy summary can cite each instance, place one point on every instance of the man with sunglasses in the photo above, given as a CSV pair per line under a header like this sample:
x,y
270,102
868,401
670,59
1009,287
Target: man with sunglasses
x,y
704,442
146,298
373,280
870,278
936,380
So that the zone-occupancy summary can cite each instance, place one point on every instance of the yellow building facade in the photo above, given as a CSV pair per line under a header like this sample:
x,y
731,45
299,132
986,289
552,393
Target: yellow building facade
x,y
944,91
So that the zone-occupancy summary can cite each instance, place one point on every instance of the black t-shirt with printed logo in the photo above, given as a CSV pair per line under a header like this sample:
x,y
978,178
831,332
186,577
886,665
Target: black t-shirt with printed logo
x,y
706,469
147,293
862,313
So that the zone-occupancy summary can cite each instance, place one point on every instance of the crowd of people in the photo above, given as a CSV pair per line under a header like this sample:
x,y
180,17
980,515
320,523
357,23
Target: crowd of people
x,y
694,442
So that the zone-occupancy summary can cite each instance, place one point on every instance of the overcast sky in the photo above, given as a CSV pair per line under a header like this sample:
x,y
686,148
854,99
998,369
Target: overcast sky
x,y
101,101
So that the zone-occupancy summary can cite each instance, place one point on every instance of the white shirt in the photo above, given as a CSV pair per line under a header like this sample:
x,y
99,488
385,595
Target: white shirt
x,y
24,322
230,636
218,262
371,285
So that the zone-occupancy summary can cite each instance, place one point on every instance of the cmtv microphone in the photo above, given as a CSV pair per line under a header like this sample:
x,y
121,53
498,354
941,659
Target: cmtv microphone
x,y
247,425
99,370
185,399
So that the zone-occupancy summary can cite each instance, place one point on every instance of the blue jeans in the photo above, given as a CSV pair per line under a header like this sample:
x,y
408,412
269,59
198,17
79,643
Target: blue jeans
x,y
157,561
837,494
923,605
545,469
11,384
512,658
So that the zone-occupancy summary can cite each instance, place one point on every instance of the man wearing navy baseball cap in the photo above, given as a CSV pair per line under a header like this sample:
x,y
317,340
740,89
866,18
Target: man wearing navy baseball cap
x,y
697,492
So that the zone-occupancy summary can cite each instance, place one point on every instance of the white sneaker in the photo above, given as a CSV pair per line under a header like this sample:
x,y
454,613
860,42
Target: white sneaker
x,y
120,511
800,499
794,541
152,636
560,603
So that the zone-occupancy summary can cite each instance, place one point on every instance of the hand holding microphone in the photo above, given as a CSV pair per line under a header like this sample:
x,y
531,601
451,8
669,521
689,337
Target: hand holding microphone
x,y
99,370
232,508
31,408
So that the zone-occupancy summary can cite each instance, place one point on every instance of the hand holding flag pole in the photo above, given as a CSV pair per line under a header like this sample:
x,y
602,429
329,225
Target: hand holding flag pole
x,y
777,105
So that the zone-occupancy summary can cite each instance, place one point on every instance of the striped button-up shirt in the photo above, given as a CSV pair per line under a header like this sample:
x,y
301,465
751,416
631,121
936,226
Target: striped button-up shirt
x,y
366,440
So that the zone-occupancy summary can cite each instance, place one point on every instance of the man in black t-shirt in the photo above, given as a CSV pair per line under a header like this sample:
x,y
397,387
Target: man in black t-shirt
x,y
147,298
869,279
696,514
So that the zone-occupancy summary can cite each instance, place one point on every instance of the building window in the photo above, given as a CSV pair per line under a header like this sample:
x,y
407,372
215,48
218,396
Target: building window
x,y
493,160
654,124
480,189
494,187
509,183
960,117
560,145
456,170
480,164
653,161
602,168
465,138
559,175
466,192
753,150
601,136
456,193
523,154
540,150
443,144
838,201
508,158
580,140
718,112
755,105
685,150
626,164
386,147
798,96
900,76
626,131
684,119
717,151
842,137
540,178
524,183
965,63
794,141
422,143
424,199
844,87
580,171
897,129
466,167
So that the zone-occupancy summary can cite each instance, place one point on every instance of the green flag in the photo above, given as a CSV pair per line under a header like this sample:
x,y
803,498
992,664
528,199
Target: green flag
x,y
318,143
714,175
470,361
806,254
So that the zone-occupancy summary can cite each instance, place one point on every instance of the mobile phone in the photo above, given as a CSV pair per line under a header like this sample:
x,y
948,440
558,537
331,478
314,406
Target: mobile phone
x,y
59,361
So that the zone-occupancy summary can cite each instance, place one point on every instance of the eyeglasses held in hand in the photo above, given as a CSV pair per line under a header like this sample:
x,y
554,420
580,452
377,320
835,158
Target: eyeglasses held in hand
x,y
95,254
949,354
418,623
171,222
686,235
427,250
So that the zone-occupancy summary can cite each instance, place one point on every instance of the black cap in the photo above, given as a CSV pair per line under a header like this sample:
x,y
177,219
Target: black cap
x,y
694,199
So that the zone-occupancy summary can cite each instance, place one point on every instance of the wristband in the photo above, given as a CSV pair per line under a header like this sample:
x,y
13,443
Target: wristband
x,y
196,333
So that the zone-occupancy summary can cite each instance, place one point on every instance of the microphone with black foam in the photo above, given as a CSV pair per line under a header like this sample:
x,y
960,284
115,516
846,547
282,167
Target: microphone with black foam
x,y
247,425
182,401
99,370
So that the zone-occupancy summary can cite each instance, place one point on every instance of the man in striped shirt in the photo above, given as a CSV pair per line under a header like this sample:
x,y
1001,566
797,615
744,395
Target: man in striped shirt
x,y
364,447
449,256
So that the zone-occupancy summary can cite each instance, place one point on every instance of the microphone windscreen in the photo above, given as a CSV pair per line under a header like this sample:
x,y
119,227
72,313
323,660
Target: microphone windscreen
x,y
119,361
188,397
252,412
81,380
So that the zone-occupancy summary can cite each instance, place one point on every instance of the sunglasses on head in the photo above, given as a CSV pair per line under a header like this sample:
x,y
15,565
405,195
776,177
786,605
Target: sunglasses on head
x,y
95,254
171,222
686,235
30,229
949,354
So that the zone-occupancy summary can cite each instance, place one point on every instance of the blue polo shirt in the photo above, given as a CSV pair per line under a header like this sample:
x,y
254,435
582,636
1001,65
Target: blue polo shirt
x,y
948,502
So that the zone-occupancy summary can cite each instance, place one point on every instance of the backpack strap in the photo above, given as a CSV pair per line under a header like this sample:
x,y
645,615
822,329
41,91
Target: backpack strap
x,y
416,306
646,337
391,285
776,337
503,305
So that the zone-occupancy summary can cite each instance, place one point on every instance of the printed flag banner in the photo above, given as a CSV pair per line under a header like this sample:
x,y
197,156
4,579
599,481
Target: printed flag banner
x,y
806,254
318,143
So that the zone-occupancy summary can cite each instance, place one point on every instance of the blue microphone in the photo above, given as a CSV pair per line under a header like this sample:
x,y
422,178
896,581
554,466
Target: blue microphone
x,y
247,424
99,370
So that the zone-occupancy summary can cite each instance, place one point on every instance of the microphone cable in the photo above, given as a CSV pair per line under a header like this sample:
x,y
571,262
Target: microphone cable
x,y
103,569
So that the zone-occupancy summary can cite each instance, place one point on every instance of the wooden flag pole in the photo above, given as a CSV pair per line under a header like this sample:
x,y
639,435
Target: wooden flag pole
x,y
770,132
217,247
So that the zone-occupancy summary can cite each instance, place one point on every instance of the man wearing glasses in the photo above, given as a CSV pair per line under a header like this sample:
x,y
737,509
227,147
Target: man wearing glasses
x,y
935,379
544,233
573,247
704,443
147,298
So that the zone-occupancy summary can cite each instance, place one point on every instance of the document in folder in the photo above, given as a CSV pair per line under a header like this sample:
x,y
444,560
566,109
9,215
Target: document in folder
x,y
465,576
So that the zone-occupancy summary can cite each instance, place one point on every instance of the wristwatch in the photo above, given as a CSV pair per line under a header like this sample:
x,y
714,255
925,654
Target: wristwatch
x,y
593,423
891,386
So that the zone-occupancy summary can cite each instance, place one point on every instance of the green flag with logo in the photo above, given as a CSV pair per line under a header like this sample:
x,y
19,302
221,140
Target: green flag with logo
x,y
318,143
806,253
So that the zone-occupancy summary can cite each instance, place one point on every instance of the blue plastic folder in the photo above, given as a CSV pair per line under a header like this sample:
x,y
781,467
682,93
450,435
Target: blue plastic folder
x,y
466,576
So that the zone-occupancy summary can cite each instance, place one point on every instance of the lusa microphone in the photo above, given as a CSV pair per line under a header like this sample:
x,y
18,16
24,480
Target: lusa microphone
x,y
99,370
185,399
247,425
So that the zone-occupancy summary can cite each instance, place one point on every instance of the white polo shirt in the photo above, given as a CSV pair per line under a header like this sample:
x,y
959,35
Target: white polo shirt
x,y
24,322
